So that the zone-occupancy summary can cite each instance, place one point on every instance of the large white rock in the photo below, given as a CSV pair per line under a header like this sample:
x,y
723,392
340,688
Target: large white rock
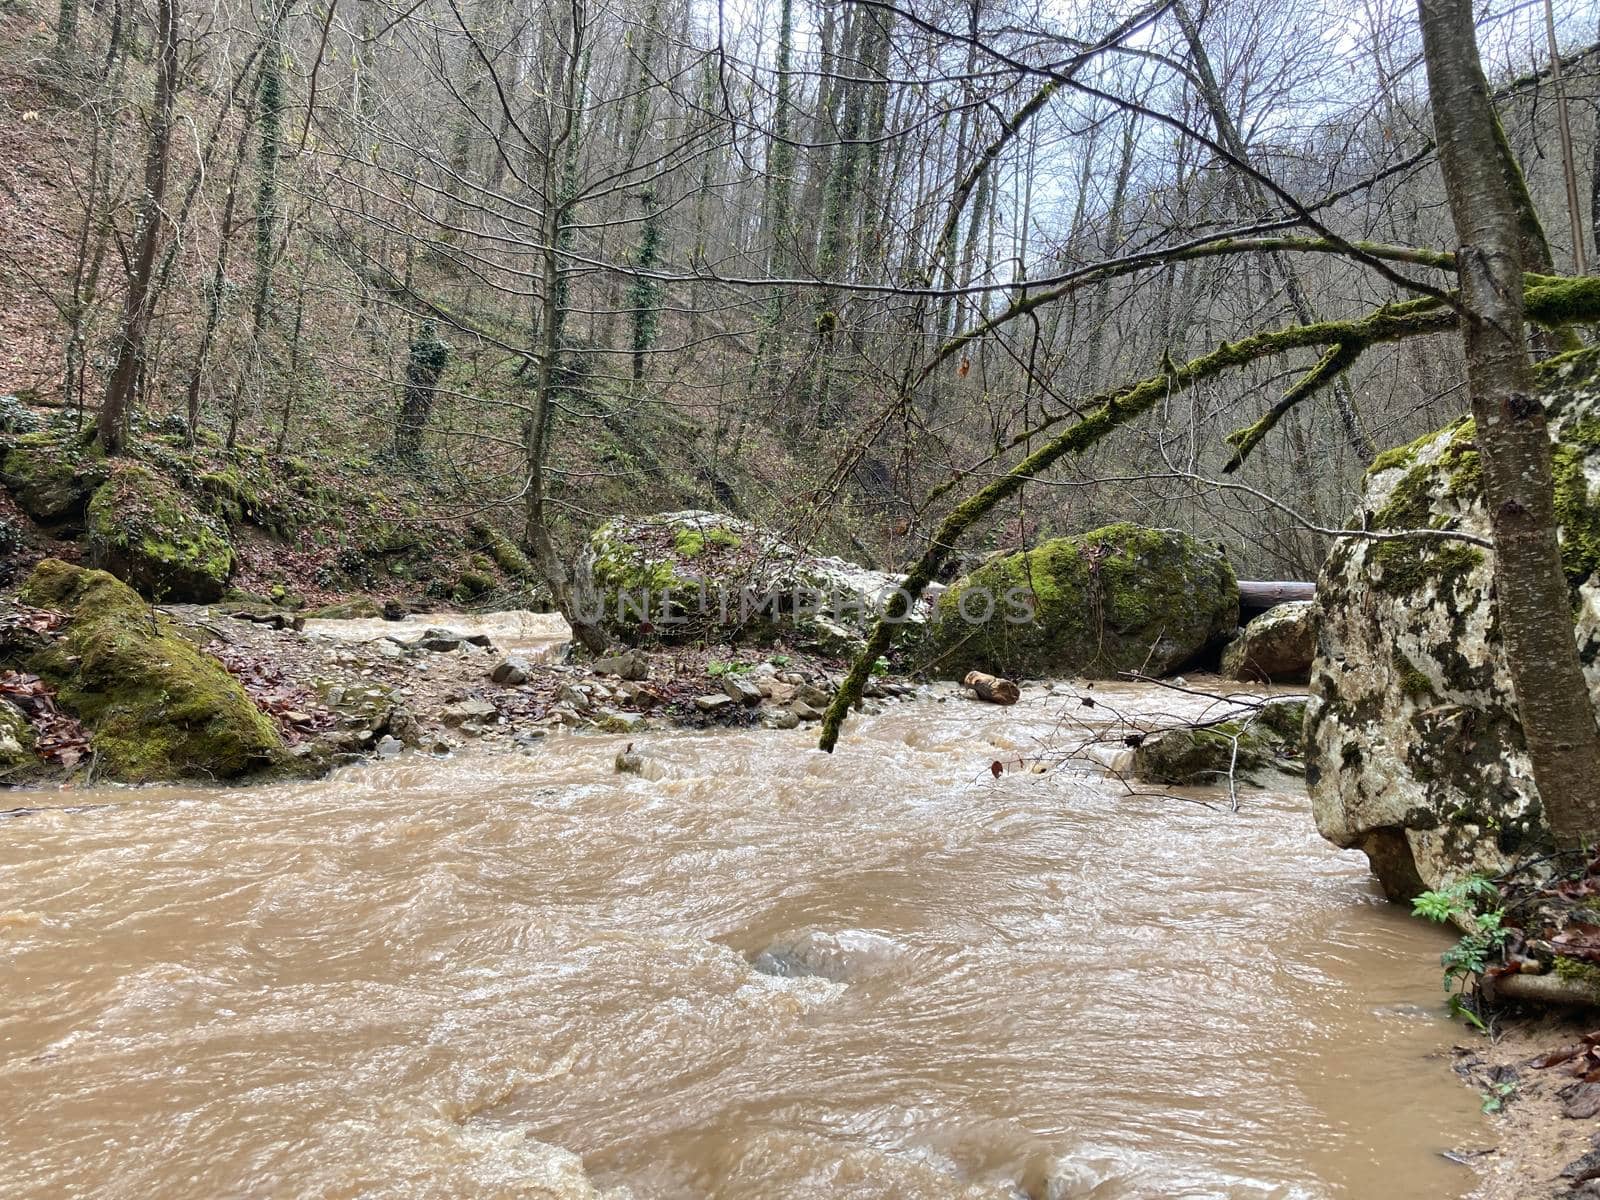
x,y
1414,751
687,576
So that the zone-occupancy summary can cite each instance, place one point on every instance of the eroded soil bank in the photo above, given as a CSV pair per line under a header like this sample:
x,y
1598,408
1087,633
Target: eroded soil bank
x,y
525,974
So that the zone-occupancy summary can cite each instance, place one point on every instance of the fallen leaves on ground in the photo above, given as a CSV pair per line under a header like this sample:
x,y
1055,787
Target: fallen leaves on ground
x,y
58,738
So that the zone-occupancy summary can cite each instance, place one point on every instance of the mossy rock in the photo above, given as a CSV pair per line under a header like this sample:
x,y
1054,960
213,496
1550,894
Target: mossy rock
x,y
501,549
1187,757
151,535
1118,599
357,608
470,585
18,762
703,576
1269,738
1414,750
157,708
52,476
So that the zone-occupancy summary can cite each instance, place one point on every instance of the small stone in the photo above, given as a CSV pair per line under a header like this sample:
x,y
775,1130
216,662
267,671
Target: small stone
x,y
389,649
630,664
529,737
1583,1103
511,670
629,762
813,696
742,690
612,721
781,718
438,641
463,711
389,747
573,696
804,711
711,704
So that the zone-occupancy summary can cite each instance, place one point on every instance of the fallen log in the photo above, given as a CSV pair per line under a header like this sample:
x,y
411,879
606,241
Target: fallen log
x,y
1541,989
1258,595
992,688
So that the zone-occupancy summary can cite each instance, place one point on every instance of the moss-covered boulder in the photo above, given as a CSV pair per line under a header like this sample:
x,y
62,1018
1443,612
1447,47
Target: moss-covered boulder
x,y
1275,647
52,476
701,576
147,532
1268,738
1122,598
1414,750
157,708
17,759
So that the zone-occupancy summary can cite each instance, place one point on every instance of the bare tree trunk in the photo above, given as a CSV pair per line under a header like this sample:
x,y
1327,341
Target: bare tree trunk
x,y
1531,597
140,299
219,280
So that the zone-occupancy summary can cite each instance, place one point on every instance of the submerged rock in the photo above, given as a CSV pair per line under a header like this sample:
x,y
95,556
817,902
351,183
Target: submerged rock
x,y
153,536
1122,598
1269,739
842,955
691,576
1275,647
157,707
1415,753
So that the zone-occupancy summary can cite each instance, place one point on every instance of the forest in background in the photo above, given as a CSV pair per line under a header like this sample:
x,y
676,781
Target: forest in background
x,y
825,264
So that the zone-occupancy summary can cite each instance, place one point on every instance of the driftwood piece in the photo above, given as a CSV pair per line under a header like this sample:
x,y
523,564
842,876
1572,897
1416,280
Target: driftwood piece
x,y
992,688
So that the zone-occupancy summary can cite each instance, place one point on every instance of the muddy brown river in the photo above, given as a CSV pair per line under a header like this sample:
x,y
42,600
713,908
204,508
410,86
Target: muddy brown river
x,y
524,975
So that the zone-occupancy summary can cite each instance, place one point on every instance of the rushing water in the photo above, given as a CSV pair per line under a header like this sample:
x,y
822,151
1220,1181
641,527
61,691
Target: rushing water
x,y
421,978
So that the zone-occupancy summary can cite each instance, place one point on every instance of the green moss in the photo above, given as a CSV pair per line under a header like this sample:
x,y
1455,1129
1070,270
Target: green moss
x,y
52,476
1400,456
505,553
691,541
148,533
1284,719
1182,757
1576,513
1408,565
1413,682
157,707
472,584
17,759
1117,599
1574,971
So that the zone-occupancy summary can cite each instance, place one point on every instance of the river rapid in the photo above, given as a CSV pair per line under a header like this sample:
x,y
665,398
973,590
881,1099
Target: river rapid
x,y
527,975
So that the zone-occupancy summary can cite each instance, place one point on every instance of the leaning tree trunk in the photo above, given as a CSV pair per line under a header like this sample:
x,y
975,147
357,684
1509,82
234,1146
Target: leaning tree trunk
x,y
1531,598
140,299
